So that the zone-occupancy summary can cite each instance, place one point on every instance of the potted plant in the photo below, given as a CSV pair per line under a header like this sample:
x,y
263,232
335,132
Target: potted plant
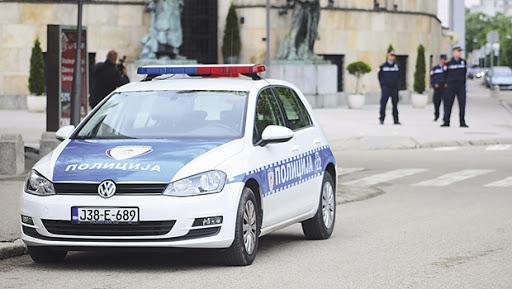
x,y
36,102
231,44
418,98
357,69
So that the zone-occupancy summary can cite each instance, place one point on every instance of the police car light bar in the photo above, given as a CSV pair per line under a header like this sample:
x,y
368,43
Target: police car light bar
x,y
208,70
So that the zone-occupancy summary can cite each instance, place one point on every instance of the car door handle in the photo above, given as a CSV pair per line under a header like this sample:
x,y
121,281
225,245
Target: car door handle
x,y
295,149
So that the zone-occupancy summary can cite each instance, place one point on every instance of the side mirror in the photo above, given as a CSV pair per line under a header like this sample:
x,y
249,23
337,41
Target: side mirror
x,y
64,132
275,134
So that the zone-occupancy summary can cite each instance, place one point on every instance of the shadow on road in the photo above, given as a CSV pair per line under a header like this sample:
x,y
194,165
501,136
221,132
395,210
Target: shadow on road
x,y
162,259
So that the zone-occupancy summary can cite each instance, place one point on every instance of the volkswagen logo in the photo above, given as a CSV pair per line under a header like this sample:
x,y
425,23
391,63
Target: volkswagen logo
x,y
107,189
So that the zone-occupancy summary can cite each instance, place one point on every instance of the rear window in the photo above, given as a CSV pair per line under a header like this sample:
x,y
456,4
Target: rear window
x,y
168,114
295,112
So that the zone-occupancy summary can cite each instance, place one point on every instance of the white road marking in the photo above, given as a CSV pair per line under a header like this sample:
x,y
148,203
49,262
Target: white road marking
x,y
348,171
499,147
445,149
507,182
384,177
451,178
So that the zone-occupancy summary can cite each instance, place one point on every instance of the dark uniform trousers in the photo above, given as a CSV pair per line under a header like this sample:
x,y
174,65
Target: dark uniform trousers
x,y
439,96
386,93
455,89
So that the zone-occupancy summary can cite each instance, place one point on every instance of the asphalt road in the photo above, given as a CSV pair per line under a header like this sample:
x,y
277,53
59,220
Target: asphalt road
x,y
445,221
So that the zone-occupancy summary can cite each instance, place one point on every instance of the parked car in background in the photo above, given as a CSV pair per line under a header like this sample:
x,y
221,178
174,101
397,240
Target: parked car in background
x,y
499,76
476,72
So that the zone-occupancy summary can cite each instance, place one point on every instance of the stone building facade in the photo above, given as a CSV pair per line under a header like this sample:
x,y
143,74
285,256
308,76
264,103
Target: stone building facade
x,y
349,30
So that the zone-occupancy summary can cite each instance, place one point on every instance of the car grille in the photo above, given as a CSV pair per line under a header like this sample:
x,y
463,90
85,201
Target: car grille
x,y
145,228
92,189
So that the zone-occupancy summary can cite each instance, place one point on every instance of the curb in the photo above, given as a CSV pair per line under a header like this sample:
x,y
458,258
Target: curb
x,y
12,249
506,105
348,194
361,144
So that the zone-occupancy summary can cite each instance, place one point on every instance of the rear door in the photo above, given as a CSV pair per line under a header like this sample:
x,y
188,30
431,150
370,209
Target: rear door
x,y
305,169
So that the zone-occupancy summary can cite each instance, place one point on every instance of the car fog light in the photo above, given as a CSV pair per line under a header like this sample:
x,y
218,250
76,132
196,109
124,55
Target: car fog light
x,y
207,221
27,220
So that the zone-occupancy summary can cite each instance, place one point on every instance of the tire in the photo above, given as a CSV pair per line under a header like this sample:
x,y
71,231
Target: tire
x,y
318,227
243,250
46,255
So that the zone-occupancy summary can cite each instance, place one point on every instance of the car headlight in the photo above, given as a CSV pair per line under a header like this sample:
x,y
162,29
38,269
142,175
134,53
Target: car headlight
x,y
204,183
39,185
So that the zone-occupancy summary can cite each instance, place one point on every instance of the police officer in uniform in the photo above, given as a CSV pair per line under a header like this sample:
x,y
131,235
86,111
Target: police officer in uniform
x,y
438,83
389,78
456,81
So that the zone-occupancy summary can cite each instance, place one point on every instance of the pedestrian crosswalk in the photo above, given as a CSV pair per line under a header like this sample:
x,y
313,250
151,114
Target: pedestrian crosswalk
x,y
432,179
497,147
454,177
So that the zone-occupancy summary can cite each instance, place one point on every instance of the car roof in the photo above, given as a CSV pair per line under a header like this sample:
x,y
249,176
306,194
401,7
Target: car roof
x,y
201,83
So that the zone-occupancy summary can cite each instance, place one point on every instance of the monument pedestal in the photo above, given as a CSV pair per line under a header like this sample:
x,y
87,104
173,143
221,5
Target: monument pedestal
x,y
318,81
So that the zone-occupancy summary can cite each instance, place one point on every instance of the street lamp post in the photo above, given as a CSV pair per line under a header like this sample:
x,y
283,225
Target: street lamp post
x,y
267,38
77,73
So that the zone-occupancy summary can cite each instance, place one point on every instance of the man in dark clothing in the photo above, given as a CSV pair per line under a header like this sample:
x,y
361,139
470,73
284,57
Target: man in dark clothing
x,y
456,80
107,78
389,78
438,83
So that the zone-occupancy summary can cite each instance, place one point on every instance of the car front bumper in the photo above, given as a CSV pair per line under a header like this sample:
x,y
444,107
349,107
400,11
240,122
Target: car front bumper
x,y
181,210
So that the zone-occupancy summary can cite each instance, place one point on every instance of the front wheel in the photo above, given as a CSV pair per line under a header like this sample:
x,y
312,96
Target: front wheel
x,y
46,255
247,228
320,227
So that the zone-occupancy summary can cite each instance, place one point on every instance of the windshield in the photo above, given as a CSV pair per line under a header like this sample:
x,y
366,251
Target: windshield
x,y
502,71
168,114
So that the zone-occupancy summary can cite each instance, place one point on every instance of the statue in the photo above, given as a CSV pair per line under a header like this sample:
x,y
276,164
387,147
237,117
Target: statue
x,y
165,36
300,40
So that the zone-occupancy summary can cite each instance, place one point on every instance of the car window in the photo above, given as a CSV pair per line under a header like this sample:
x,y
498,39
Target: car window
x,y
295,112
267,113
168,114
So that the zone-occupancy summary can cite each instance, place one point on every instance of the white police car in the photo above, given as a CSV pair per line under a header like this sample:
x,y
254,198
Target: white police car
x,y
192,157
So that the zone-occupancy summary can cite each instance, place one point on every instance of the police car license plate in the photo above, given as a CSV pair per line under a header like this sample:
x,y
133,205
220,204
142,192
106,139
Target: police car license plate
x,y
104,215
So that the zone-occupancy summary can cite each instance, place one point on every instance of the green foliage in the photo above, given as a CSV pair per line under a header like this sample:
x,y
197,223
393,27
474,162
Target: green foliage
x,y
358,69
419,74
36,79
479,24
231,44
390,48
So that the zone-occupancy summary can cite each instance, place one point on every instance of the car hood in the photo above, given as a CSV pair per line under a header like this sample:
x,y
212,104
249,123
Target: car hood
x,y
155,161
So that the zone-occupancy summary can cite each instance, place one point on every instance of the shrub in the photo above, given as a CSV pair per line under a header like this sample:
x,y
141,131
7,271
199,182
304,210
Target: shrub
x,y
36,79
419,74
358,69
231,41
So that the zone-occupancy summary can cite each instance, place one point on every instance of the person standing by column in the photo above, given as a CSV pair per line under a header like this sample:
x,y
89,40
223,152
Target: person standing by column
x,y
438,83
456,81
389,78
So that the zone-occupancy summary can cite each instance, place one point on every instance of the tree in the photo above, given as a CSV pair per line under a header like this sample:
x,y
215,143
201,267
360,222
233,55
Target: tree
x,y
358,69
36,79
390,48
419,74
231,44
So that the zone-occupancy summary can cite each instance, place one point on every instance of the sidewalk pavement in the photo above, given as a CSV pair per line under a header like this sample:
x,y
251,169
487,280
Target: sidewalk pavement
x,y
30,125
489,123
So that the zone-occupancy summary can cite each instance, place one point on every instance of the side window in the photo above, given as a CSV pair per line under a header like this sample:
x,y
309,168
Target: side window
x,y
295,112
267,113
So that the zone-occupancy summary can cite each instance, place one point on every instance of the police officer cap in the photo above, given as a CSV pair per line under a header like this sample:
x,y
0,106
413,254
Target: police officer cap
x,y
457,48
442,56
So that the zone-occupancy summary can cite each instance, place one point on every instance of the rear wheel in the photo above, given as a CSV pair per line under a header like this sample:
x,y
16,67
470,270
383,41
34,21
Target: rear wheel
x,y
245,245
46,255
322,224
